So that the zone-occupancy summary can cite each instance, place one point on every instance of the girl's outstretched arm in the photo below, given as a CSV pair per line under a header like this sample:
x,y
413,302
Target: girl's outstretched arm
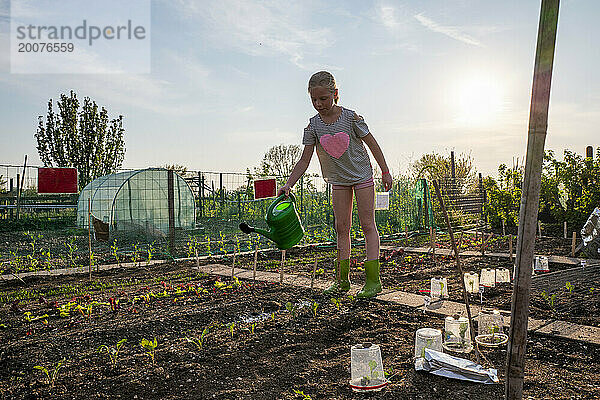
x,y
378,154
298,170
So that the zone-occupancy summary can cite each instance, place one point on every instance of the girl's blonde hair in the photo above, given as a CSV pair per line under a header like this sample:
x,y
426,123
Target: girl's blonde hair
x,y
326,80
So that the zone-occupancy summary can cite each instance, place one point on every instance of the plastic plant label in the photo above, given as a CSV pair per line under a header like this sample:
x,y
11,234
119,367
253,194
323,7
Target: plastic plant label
x,y
382,201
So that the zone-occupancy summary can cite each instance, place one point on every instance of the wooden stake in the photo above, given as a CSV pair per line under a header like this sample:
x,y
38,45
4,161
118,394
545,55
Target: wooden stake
x,y
197,258
233,263
405,236
433,240
503,229
510,247
460,239
530,196
458,266
255,259
573,241
281,268
314,271
565,229
484,243
539,229
90,233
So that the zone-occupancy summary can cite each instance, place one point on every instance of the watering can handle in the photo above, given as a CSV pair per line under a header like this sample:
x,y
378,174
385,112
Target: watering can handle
x,y
278,200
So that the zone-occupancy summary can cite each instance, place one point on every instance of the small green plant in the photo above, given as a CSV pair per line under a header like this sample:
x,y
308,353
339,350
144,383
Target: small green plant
x,y
150,347
569,287
150,250
301,393
30,319
428,343
549,299
291,308
208,245
191,246
372,366
113,352
314,307
337,303
252,328
199,342
71,249
136,253
114,250
231,326
51,376
222,248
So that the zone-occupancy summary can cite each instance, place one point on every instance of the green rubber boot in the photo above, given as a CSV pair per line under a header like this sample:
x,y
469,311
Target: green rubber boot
x,y
342,278
372,284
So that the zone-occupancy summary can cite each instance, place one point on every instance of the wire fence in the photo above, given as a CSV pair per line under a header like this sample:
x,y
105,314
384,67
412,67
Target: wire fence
x,y
45,231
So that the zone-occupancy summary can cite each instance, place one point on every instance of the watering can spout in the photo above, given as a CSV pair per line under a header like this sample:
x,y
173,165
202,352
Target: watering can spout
x,y
244,227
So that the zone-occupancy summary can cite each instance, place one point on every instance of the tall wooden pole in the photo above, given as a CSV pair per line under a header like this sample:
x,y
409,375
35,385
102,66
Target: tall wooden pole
x,y
528,213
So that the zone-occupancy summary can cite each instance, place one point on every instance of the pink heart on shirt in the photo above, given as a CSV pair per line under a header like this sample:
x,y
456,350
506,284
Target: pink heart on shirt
x,y
335,145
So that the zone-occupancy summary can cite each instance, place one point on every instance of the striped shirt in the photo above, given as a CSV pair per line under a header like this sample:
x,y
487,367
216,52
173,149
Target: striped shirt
x,y
342,154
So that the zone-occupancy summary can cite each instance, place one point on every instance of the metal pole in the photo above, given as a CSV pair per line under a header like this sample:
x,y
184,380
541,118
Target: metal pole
x,y
171,205
528,213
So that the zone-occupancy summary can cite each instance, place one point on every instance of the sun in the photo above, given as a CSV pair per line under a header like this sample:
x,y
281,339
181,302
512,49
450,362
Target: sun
x,y
479,101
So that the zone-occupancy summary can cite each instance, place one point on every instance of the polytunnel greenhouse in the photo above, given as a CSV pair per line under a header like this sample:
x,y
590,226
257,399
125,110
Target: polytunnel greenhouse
x,y
137,202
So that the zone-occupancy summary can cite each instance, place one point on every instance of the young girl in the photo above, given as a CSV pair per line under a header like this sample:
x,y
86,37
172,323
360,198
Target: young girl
x,y
339,135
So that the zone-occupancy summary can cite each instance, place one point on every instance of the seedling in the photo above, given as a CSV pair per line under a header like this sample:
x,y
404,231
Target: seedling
x,y
150,249
51,377
301,393
569,287
231,326
252,328
30,319
135,256
314,307
71,249
113,352
549,299
291,308
337,303
150,348
199,342
115,251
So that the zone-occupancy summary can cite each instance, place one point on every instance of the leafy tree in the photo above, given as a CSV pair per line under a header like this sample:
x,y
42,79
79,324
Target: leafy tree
x,y
504,196
81,138
279,160
570,190
434,166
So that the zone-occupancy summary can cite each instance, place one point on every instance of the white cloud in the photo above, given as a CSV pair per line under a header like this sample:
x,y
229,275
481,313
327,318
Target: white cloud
x,y
139,91
388,17
450,31
259,28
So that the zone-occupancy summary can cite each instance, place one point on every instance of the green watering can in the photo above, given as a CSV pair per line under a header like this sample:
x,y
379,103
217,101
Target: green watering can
x,y
286,228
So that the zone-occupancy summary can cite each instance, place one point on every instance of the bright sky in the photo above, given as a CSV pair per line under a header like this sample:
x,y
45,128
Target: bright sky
x,y
228,80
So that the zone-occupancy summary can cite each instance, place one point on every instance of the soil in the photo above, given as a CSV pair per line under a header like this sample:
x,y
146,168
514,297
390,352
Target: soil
x,y
275,352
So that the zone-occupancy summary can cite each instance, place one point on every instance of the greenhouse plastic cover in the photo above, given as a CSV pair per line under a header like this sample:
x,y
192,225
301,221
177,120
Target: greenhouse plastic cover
x,y
137,198
591,229
442,364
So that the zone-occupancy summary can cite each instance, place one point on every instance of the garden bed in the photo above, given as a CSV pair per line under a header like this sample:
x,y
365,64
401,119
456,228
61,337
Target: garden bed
x,y
278,347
